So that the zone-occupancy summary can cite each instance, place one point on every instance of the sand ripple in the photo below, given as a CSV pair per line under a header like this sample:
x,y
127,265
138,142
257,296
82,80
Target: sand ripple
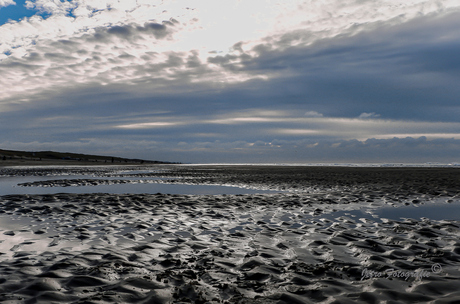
x,y
298,247
104,248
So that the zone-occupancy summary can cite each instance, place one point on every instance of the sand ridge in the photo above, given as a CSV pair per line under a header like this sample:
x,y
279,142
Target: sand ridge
x,y
293,247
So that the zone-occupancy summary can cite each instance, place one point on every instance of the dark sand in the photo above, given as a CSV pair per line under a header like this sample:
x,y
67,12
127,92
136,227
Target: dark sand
x,y
302,246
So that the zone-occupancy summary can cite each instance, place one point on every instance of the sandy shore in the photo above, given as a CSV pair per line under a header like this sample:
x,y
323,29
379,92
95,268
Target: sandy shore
x,y
306,245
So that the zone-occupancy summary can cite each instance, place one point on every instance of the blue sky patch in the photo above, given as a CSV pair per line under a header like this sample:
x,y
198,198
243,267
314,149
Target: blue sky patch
x,y
15,12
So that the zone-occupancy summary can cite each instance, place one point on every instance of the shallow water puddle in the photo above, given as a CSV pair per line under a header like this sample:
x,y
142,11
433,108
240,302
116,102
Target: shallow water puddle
x,y
434,211
151,185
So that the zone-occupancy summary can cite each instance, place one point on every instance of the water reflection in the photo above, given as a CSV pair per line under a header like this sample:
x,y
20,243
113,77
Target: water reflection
x,y
9,185
432,211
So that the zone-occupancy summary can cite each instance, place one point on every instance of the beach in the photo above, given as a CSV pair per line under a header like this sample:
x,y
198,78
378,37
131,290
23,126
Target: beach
x,y
317,237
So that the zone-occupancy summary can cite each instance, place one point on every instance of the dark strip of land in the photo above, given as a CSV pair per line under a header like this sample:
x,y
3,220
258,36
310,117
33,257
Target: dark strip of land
x,y
13,157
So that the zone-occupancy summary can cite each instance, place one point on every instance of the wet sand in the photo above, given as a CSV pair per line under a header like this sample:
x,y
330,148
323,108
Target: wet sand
x,y
305,245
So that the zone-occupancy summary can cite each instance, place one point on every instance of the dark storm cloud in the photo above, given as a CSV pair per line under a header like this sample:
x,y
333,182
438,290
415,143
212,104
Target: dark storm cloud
x,y
122,31
132,32
160,31
397,71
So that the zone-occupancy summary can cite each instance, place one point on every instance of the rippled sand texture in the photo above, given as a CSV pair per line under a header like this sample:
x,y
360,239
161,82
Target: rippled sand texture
x,y
264,248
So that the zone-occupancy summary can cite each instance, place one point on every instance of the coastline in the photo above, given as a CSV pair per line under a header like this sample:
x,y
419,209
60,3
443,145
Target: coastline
x,y
70,163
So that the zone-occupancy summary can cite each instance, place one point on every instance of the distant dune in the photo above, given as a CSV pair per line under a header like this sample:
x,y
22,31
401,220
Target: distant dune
x,y
12,157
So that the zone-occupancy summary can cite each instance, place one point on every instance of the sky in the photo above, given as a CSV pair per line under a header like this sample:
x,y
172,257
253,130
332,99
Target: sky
x,y
233,81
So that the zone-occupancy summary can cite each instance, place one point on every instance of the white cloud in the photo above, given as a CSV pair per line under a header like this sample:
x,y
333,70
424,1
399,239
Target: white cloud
x,y
146,125
290,124
55,7
99,56
416,135
4,3
313,114
369,115
297,132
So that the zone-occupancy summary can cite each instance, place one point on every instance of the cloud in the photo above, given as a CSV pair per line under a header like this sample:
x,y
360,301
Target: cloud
x,y
20,36
51,7
109,55
313,114
280,80
147,125
4,3
394,150
250,49
365,115
297,132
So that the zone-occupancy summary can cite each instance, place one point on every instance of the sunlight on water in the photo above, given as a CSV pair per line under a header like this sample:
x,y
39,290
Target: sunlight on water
x,y
9,185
